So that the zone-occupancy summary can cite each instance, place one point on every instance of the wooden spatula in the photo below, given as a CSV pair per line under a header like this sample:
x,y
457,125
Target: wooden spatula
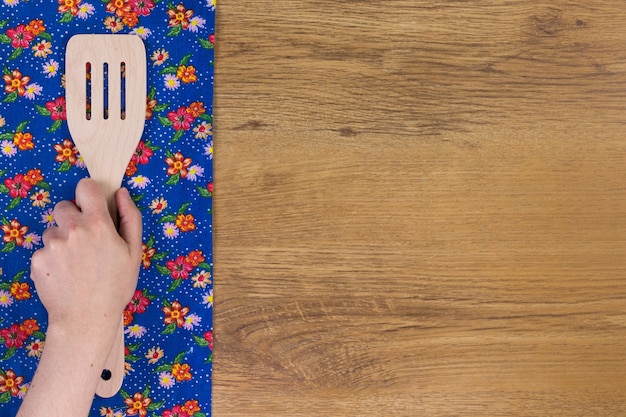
x,y
106,107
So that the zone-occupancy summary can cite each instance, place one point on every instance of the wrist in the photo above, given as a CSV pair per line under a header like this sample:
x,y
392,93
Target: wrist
x,y
93,342
68,372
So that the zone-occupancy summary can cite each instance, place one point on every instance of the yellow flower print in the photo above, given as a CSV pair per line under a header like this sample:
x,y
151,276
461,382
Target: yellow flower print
x,y
35,348
187,74
21,291
42,49
40,198
182,372
154,354
113,24
158,205
159,56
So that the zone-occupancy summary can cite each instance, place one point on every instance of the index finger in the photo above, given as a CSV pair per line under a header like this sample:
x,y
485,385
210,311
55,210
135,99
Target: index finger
x,y
90,198
65,212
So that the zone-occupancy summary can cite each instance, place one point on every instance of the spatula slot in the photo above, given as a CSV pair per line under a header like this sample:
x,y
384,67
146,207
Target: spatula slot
x,y
88,90
105,85
122,90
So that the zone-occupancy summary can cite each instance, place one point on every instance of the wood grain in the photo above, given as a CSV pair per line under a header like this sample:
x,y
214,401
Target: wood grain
x,y
420,208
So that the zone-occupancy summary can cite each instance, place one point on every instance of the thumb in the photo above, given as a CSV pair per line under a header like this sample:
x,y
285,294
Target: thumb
x,y
130,221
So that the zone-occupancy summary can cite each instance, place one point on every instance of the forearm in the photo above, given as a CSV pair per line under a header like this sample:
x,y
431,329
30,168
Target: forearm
x,y
65,381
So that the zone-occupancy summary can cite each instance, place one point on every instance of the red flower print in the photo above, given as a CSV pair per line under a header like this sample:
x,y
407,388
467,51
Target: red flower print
x,y
146,255
33,176
209,187
175,313
15,82
20,37
212,38
176,411
181,119
69,6
138,303
66,151
137,404
14,232
18,186
195,258
20,290
29,326
208,336
177,164
142,154
179,16
23,141
10,382
57,109
179,268
13,336
142,7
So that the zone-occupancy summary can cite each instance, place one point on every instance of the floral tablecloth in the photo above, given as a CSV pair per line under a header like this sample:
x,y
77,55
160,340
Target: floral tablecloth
x,y
168,323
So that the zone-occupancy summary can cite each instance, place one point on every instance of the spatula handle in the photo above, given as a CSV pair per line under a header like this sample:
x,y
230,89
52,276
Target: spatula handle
x,y
113,373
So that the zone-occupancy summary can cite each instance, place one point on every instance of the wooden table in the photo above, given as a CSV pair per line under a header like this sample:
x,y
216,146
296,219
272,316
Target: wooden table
x,y
420,208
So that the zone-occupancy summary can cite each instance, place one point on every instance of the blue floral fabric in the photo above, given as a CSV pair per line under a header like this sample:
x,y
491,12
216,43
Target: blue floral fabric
x,y
168,323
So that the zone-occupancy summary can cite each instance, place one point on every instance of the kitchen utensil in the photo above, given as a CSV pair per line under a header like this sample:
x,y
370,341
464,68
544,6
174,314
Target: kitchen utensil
x,y
106,107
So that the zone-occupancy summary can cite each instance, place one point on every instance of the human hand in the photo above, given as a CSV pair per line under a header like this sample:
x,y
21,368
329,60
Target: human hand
x,y
86,273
